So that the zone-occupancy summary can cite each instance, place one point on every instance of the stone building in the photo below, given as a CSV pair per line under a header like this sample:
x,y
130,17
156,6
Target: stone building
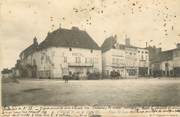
x,y
63,52
28,58
167,63
143,62
176,61
7,73
131,63
113,57
128,60
154,52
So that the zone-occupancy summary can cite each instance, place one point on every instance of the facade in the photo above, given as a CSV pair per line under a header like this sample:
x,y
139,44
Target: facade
x,y
176,61
6,73
131,64
143,61
113,57
127,60
153,62
27,65
167,63
64,52
15,72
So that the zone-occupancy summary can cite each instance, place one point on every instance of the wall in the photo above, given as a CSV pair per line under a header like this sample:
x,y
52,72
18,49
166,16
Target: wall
x,y
143,57
176,58
55,62
114,59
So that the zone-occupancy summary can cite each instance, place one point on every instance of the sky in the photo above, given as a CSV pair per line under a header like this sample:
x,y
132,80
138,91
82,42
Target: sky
x,y
156,22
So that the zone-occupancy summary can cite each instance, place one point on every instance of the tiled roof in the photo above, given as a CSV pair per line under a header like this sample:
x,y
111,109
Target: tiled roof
x,y
29,50
69,38
108,44
6,71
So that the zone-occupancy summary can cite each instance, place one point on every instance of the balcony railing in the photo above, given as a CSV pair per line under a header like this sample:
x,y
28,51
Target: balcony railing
x,y
81,64
118,65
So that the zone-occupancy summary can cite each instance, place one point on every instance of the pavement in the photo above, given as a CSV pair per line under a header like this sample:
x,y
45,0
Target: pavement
x,y
123,92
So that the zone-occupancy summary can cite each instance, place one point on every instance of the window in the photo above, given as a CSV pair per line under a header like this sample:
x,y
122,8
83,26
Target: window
x,y
86,61
132,72
142,58
78,60
95,60
47,58
146,57
113,61
107,72
42,59
70,49
65,59
117,61
91,60
34,62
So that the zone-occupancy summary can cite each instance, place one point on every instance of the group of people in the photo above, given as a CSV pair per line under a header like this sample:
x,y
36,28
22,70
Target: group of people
x,y
115,75
74,76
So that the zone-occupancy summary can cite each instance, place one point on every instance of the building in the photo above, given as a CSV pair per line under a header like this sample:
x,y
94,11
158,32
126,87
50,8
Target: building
x,y
63,52
131,59
26,64
143,62
153,54
7,73
176,61
127,60
113,57
167,63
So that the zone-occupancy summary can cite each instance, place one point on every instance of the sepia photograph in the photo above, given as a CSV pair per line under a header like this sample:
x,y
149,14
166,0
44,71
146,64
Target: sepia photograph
x,y
94,53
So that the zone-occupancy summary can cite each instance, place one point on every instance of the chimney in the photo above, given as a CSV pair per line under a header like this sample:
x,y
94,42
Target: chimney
x,y
115,36
178,45
18,61
35,41
60,26
127,41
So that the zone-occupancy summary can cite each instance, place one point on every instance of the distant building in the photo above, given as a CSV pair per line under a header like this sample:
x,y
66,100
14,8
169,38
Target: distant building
x,y
128,60
17,69
7,73
28,67
131,60
63,52
176,60
167,63
113,57
153,54
143,62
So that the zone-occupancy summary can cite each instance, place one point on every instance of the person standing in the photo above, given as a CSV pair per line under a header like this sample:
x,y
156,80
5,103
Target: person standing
x,y
66,76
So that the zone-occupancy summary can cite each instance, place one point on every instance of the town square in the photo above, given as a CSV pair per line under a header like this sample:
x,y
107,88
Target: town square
x,y
124,93
104,53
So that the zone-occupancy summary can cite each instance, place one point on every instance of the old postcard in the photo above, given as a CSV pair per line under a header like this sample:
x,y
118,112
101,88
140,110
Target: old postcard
x,y
90,58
